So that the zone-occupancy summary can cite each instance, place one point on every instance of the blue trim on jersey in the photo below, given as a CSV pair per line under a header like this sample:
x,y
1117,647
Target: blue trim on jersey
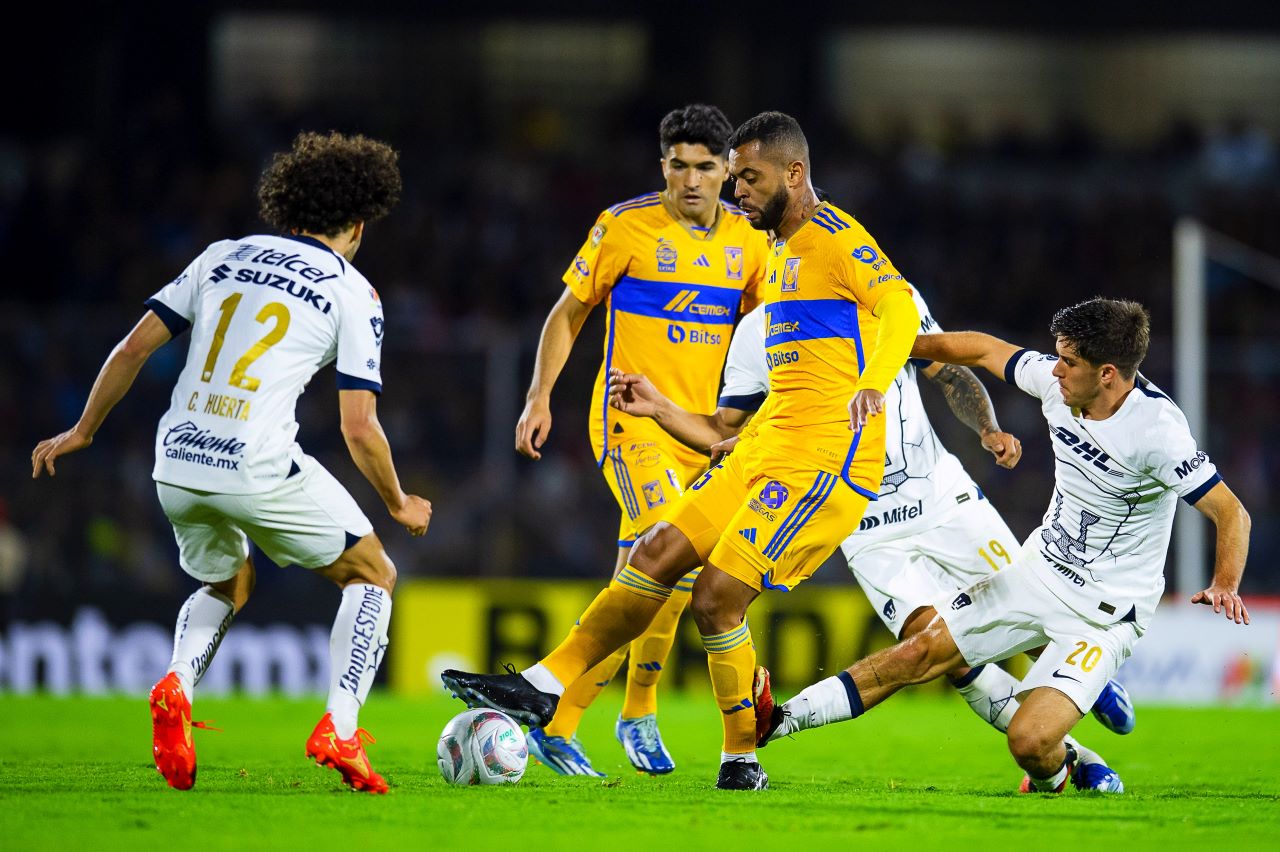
x,y
1194,496
1145,386
651,298
346,382
629,501
646,200
174,321
830,229
312,241
604,401
732,208
812,319
746,402
766,583
848,460
1011,366
831,213
920,363
626,542
968,678
810,503
830,220
350,540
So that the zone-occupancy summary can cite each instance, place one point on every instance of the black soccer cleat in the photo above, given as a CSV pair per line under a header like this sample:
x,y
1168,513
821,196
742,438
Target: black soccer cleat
x,y
508,693
742,775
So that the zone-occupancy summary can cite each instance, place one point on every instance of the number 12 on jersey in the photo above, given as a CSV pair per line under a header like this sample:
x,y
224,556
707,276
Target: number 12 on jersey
x,y
239,372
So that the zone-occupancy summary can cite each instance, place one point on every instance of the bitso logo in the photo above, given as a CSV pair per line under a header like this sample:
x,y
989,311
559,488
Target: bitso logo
x,y
675,333
866,254
581,268
377,324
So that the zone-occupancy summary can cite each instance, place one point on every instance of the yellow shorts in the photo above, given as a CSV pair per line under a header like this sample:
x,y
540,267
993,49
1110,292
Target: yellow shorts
x,y
766,519
646,477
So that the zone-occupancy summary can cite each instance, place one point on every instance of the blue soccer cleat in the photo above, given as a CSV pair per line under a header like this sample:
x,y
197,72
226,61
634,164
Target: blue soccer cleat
x,y
643,744
1097,777
561,756
1114,709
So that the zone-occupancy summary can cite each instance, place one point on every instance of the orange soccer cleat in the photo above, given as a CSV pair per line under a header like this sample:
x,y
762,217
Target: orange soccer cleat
x,y
171,744
347,756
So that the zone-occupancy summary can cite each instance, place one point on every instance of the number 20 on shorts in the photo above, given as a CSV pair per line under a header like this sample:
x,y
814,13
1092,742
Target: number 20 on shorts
x,y
1091,655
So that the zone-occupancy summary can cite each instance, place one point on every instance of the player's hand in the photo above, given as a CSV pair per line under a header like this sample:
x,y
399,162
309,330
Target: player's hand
x,y
865,404
1006,448
533,427
1223,600
414,514
721,449
59,445
633,393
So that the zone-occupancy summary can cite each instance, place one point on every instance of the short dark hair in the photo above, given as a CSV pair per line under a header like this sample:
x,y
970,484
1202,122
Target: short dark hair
x,y
777,132
695,124
1106,331
329,182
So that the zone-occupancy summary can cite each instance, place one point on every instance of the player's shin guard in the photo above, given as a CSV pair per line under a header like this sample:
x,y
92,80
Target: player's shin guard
x,y
650,651
356,648
579,695
619,614
731,659
202,622
989,691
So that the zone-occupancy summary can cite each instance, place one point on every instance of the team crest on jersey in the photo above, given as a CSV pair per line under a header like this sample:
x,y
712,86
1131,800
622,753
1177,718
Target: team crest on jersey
x,y
791,275
597,234
653,493
733,263
373,294
580,267
377,323
666,255
774,494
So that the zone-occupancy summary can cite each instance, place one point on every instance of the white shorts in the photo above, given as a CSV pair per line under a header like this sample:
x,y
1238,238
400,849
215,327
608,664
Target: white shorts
x,y
901,575
1013,611
308,520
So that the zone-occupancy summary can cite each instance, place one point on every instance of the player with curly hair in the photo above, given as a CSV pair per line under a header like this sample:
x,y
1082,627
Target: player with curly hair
x,y
674,269
265,313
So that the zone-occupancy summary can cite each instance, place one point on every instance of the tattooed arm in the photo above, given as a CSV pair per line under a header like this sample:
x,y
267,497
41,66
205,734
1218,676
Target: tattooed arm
x,y
969,402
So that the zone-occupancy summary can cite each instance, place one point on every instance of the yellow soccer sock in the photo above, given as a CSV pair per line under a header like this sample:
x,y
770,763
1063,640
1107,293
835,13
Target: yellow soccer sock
x,y
579,695
619,614
731,659
649,652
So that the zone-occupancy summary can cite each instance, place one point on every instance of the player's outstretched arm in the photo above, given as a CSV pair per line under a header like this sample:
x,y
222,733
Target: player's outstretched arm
x,y
369,449
558,334
969,402
633,393
1228,514
966,348
114,380
899,321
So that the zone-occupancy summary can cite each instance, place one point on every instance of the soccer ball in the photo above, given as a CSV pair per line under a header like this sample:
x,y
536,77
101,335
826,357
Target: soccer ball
x,y
482,747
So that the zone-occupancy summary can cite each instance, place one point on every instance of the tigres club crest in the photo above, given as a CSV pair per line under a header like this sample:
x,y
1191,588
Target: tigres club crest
x,y
791,275
733,263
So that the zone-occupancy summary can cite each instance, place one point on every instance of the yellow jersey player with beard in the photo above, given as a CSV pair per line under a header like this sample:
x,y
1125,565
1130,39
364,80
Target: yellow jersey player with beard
x,y
841,325
674,270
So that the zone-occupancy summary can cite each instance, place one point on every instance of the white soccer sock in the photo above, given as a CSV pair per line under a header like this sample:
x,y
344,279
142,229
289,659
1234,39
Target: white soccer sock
x,y
202,622
356,648
991,696
542,679
1086,754
749,757
819,704
1051,783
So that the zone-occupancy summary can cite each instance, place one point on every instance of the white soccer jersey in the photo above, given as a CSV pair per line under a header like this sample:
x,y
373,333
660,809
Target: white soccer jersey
x,y
921,478
265,314
1116,481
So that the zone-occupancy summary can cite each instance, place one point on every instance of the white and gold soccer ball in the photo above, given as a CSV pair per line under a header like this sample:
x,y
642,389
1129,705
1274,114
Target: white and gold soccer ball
x,y
482,747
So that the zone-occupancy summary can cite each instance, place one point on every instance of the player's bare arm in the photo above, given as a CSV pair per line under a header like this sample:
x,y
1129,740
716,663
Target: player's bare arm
x,y
1228,514
971,404
114,380
633,393
369,449
558,334
967,349
899,321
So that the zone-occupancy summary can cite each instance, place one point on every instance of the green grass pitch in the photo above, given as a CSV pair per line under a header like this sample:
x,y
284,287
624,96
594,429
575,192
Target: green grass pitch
x,y
920,773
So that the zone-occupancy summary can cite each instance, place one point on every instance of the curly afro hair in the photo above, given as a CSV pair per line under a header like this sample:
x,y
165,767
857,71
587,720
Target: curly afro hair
x,y
327,183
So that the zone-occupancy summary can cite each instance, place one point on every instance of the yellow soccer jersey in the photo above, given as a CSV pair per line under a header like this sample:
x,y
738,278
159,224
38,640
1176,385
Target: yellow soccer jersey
x,y
819,331
673,297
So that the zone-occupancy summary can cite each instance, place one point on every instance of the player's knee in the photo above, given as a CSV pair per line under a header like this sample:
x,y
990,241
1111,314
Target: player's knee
x,y
661,554
712,613
1029,743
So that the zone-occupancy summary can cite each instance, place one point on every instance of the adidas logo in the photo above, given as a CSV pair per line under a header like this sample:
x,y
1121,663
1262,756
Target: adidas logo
x,y
749,534
744,704
702,261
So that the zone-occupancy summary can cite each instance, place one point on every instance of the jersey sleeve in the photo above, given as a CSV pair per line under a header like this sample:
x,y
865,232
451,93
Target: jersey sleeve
x,y
757,260
1176,461
601,261
1032,372
746,379
176,302
863,272
360,328
928,325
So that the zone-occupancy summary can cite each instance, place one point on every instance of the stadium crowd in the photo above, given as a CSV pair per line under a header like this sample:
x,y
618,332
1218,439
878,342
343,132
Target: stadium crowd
x,y
998,233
